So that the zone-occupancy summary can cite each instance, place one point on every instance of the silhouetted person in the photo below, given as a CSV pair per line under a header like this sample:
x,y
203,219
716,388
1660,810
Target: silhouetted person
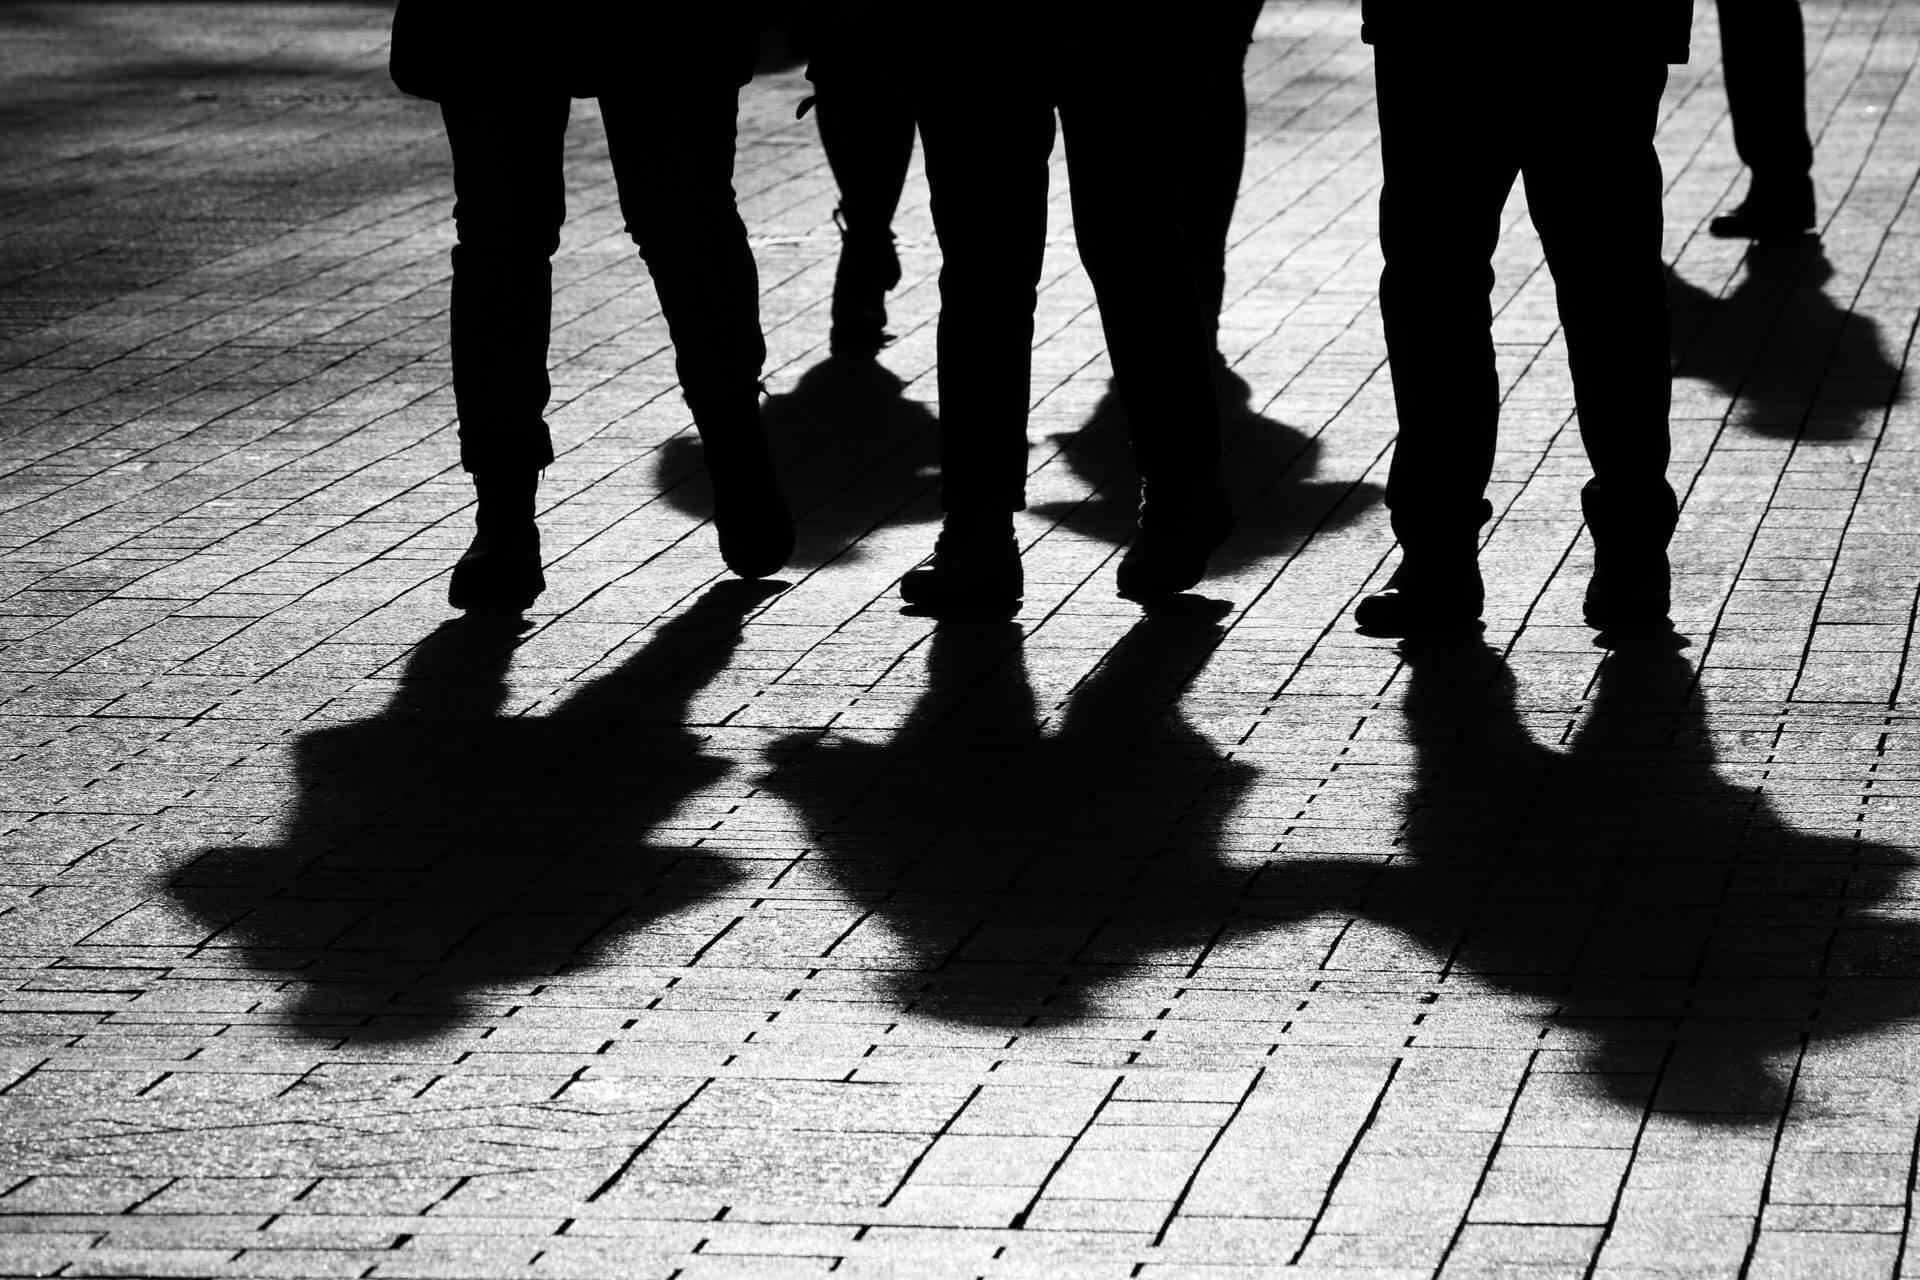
x,y
668,80
1011,871
1763,55
450,842
1565,98
1000,72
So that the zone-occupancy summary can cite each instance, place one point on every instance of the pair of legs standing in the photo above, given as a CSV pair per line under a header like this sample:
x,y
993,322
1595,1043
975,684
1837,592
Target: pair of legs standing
x,y
1764,58
1457,128
671,136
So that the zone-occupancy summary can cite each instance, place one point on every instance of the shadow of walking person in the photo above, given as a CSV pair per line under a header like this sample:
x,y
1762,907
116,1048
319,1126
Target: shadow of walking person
x,y
440,851
1268,467
1008,874
1669,918
855,451
1800,363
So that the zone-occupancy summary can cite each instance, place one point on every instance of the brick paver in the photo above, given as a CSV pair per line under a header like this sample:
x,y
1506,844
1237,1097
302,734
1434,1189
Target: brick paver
x,y
711,930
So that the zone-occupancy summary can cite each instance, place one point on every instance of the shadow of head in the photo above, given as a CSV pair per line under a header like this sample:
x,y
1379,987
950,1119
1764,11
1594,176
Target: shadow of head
x,y
1267,464
1688,937
1012,870
441,855
852,448
1799,363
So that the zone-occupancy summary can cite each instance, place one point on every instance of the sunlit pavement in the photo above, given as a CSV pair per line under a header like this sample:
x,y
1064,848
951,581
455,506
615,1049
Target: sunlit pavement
x,y
705,930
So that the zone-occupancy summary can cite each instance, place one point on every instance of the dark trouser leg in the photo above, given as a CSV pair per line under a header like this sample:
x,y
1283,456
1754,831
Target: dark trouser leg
x,y
1213,151
1763,54
1448,163
672,139
867,132
509,202
1157,336
1593,186
986,154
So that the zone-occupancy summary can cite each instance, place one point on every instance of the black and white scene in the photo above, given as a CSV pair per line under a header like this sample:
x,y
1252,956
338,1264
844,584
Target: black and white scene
x,y
937,640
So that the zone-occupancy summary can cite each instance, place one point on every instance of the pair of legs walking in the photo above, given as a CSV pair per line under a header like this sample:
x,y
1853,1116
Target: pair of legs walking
x,y
1455,132
988,139
671,135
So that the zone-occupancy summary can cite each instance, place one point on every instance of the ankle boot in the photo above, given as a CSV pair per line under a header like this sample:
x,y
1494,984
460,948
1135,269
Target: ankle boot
x,y
975,565
1431,592
500,571
1178,532
868,268
750,511
1631,587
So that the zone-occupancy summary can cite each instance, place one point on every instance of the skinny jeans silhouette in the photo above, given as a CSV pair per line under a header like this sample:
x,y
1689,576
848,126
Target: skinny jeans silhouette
x,y
671,138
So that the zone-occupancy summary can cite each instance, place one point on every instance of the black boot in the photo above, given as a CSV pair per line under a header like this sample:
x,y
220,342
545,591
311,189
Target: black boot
x,y
750,511
1177,534
975,565
1775,208
1437,588
1631,587
1430,593
500,571
868,268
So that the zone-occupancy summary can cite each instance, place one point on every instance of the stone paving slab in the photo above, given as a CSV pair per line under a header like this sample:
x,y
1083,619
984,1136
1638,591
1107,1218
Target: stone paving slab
x,y
706,930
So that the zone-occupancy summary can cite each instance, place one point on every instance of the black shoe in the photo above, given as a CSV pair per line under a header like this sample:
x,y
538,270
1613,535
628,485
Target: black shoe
x,y
1629,593
1424,600
500,570
1170,554
499,573
973,566
1773,212
868,268
750,512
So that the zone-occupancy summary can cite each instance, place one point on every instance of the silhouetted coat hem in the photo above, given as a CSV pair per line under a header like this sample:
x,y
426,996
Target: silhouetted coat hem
x,y
1536,28
584,48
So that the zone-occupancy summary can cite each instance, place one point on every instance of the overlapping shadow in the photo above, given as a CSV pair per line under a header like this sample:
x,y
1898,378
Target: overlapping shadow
x,y
440,847
1627,884
1802,364
1009,874
853,449
1268,466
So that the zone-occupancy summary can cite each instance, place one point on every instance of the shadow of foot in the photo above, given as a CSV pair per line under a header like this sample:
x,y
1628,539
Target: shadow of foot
x,y
442,855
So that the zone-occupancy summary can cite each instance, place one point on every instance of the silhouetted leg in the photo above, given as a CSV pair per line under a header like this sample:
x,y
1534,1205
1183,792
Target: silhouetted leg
x,y
1763,55
1593,187
986,157
986,149
866,129
671,139
1447,165
1213,111
671,136
509,202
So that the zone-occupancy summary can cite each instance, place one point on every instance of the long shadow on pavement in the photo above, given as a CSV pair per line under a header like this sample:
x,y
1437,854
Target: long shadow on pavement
x,y
439,849
1010,875
1268,466
1801,364
1663,912
853,449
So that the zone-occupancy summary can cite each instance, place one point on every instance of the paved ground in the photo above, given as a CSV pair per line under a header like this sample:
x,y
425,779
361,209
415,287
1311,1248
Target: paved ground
x,y
709,931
